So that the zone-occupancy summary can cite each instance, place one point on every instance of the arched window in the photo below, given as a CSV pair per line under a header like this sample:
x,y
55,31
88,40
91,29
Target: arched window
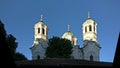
x,y
85,29
38,57
90,28
94,28
38,30
43,31
91,57
46,32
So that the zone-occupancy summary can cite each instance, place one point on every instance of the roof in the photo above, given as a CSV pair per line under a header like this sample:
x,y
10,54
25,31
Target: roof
x,y
41,21
68,33
89,41
89,20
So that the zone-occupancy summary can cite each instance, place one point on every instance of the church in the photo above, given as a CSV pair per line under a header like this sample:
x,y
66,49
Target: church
x,y
89,51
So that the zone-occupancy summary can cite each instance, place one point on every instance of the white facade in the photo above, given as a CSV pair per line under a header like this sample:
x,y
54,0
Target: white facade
x,y
77,52
91,47
41,30
89,51
89,28
38,52
40,40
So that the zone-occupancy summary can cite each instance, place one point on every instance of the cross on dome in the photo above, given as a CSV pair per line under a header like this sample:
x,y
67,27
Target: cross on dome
x,y
41,17
68,27
88,14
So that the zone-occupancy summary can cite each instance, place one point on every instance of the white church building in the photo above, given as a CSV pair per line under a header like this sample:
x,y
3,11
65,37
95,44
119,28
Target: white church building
x,y
89,51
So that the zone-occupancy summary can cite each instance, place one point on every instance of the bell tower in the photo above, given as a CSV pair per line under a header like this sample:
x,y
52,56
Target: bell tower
x,y
40,40
89,28
91,47
41,30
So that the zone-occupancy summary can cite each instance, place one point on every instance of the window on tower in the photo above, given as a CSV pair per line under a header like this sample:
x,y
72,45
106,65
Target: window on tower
x,y
90,28
85,29
46,32
38,30
94,27
43,31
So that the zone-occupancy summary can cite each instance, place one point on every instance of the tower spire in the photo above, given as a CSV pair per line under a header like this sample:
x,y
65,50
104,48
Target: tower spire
x,y
41,17
68,27
88,14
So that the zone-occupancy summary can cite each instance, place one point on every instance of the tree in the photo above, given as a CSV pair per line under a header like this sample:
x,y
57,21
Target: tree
x,y
6,56
19,56
8,46
59,48
11,41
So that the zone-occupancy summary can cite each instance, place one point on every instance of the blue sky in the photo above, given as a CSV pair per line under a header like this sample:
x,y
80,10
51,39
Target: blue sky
x,y
19,17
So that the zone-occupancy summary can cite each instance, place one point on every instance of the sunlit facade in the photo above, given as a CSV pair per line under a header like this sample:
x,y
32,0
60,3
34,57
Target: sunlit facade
x,y
90,49
70,36
89,28
40,40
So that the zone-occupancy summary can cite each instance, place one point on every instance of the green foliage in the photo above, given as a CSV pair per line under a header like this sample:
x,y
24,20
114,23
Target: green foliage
x,y
8,44
59,48
2,31
19,56
6,57
11,41
12,44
